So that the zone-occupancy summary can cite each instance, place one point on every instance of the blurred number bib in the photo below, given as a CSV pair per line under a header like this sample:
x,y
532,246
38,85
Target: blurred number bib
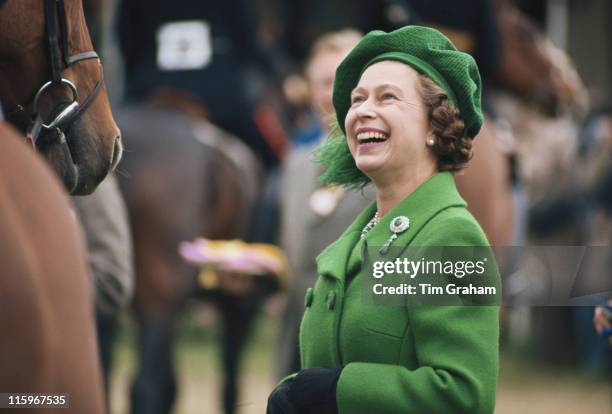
x,y
184,45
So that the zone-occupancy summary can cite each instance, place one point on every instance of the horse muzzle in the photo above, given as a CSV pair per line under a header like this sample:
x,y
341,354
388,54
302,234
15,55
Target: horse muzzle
x,y
52,144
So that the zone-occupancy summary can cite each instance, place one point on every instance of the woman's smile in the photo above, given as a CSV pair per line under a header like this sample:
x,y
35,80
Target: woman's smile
x,y
370,140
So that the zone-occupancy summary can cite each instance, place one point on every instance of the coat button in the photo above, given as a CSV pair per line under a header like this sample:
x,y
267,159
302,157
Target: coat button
x,y
309,297
331,300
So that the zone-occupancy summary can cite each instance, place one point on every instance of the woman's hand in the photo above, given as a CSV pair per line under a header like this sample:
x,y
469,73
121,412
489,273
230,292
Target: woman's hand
x,y
278,401
313,390
603,321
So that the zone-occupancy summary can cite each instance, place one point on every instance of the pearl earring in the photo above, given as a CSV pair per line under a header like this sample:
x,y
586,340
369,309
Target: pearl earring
x,y
430,142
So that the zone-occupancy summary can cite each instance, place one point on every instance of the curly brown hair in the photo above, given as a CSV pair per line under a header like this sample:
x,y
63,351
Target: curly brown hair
x,y
452,148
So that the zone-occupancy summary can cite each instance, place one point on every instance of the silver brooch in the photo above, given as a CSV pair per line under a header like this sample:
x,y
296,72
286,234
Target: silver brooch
x,y
398,225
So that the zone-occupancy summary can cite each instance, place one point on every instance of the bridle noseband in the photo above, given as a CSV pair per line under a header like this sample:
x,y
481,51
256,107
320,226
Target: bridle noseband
x,y
57,41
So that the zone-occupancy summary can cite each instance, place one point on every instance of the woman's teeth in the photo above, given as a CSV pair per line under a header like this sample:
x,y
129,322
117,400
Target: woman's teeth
x,y
367,137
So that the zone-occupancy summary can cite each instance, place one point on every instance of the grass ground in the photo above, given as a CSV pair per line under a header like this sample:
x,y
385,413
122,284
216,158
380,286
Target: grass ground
x,y
524,388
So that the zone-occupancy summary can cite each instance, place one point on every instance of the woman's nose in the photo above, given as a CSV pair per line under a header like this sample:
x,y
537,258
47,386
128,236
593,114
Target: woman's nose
x,y
366,110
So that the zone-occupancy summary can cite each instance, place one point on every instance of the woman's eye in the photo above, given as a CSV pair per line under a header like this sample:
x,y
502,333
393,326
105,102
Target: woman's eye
x,y
388,96
356,99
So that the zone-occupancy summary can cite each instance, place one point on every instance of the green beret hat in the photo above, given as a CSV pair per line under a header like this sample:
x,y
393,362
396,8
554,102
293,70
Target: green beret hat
x,y
427,51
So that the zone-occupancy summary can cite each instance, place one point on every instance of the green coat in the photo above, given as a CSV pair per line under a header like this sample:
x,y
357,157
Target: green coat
x,y
427,359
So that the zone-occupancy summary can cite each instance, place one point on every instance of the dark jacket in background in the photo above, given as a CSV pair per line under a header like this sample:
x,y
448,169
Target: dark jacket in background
x,y
221,85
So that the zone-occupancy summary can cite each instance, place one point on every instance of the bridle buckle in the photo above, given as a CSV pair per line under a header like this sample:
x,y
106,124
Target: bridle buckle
x,y
67,112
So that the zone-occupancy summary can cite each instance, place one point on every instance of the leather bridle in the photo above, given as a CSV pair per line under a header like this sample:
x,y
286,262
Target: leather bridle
x,y
60,60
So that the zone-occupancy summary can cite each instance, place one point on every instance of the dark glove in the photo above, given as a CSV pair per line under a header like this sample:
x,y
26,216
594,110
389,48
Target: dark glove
x,y
278,401
313,390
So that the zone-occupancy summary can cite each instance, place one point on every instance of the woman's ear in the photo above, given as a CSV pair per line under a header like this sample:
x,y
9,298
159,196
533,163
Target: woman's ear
x,y
430,133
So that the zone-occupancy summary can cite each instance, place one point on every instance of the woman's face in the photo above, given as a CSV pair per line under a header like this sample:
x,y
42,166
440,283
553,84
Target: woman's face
x,y
387,124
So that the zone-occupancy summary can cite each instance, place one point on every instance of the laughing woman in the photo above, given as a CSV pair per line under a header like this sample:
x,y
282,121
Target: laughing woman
x,y
408,106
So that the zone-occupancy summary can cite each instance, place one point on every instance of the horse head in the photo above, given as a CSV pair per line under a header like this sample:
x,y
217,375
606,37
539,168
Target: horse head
x,y
52,87
534,69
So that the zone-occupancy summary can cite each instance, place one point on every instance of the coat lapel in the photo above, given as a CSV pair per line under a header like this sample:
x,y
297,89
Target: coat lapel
x,y
437,193
332,261
432,196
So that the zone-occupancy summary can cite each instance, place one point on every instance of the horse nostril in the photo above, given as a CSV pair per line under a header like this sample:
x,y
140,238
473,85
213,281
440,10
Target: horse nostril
x,y
117,152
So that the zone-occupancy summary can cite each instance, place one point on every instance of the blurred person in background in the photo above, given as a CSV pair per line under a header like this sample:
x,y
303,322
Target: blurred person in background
x,y
103,216
312,214
292,27
565,165
207,50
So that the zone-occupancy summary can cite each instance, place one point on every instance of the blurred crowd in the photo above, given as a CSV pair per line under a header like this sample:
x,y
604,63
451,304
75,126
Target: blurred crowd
x,y
250,82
